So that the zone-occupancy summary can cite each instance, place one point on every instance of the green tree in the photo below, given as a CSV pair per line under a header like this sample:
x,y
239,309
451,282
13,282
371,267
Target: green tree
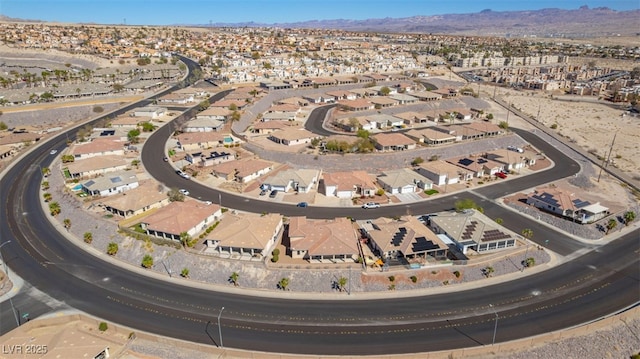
x,y
529,262
88,237
103,327
45,185
67,223
233,278
118,87
112,248
185,239
133,136
47,196
175,195
629,216
527,233
233,107
385,91
235,116
54,208
499,221
184,272
148,126
503,125
490,116
283,283
46,171
3,126
147,261
342,283
203,105
611,224
416,161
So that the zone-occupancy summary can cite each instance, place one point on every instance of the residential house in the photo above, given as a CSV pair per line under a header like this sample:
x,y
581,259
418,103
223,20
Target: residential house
x,y
471,230
427,96
393,142
298,180
292,136
136,201
95,166
118,133
246,235
442,173
565,204
202,125
405,238
127,121
322,240
404,99
403,180
214,113
242,171
411,117
153,112
356,105
342,95
191,217
489,129
111,184
265,128
430,137
205,158
176,99
348,184
383,102
98,147
510,160
190,141
480,166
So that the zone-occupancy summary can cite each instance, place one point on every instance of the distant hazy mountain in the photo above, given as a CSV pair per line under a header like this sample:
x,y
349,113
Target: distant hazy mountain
x,y
582,22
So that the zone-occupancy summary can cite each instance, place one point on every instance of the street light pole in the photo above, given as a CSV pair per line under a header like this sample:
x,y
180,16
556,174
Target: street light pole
x,y
495,327
220,328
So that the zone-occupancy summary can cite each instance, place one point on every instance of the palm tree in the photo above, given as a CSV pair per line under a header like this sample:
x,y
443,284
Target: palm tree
x,y
283,283
234,278
46,171
112,248
88,237
527,233
54,208
499,221
611,224
488,271
67,223
629,216
147,261
47,196
185,239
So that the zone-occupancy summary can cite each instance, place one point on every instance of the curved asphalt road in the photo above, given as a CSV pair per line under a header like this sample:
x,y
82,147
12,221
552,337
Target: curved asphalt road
x,y
596,284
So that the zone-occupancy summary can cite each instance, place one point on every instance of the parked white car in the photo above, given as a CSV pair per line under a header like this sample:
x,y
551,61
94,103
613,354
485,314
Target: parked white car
x,y
184,192
183,174
370,205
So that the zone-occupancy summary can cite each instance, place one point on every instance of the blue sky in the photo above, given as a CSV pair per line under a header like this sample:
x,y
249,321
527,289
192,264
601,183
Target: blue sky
x,y
167,12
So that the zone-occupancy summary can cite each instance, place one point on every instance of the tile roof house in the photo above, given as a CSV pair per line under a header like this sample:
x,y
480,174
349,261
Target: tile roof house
x,y
136,201
190,216
472,230
430,137
443,173
190,141
203,125
150,111
348,184
205,158
91,167
322,240
403,180
242,171
404,238
564,203
111,184
298,180
268,127
410,117
480,166
214,113
98,147
292,136
393,142
245,235
356,105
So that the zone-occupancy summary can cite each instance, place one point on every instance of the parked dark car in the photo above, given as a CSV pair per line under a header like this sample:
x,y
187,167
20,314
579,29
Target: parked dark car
x,y
273,194
302,204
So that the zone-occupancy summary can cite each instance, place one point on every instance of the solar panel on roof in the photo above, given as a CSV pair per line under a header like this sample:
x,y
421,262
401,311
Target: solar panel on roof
x,y
422,244
580,203
89,183
465,161
115,179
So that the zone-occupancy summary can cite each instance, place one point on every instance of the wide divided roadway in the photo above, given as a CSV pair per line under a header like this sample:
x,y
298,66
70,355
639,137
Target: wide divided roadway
x,y
591,286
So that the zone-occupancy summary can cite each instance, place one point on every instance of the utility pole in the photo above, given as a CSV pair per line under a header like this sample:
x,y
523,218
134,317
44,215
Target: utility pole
x,y
495,327
608,157
219,327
